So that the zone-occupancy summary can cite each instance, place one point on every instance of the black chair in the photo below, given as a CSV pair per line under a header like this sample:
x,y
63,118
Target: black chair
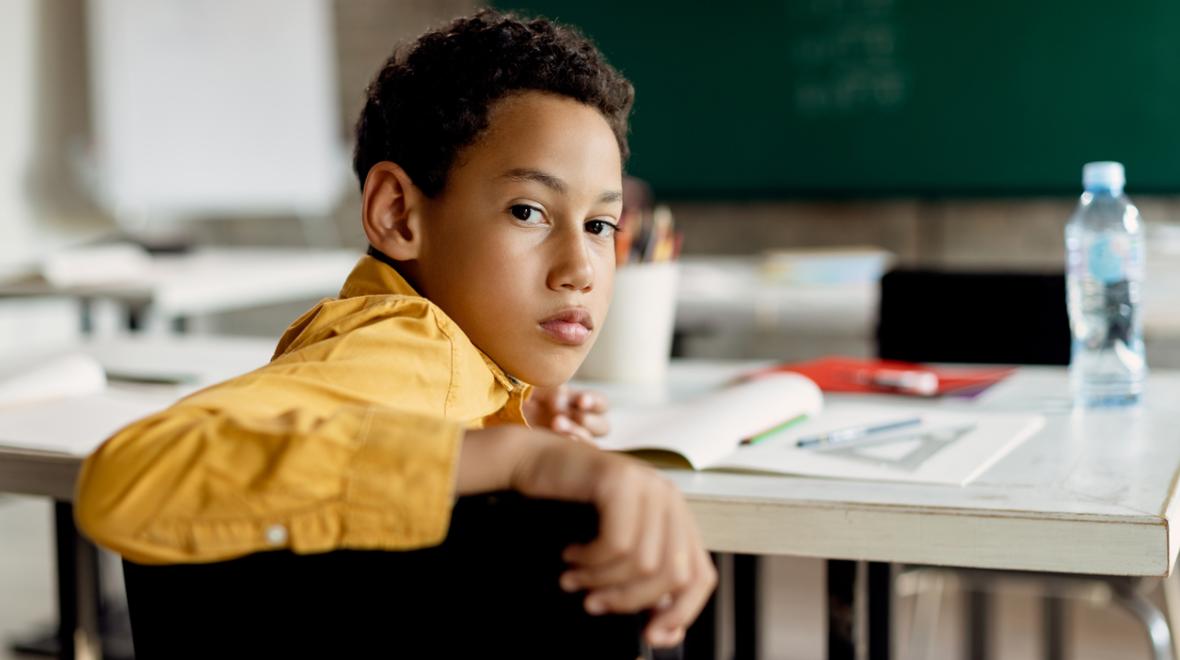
x,y
929,315
973,317
490,590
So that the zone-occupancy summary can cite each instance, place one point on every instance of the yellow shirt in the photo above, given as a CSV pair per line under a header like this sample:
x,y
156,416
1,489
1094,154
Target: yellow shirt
x,y
348,438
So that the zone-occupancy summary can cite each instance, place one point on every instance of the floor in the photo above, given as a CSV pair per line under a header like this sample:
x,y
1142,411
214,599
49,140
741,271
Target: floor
x,y
793,625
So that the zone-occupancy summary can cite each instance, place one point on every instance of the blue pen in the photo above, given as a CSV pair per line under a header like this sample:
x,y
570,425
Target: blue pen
x,y
845,435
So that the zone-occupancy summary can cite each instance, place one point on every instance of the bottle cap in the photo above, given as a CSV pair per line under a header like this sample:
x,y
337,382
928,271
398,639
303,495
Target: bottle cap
x,y
1104,175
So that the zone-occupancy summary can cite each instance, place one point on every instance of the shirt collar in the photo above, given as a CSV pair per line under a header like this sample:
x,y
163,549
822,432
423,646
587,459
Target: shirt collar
x,y
376,274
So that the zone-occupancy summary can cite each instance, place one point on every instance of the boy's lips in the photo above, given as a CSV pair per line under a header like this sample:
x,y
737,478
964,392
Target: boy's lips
x,y
570,326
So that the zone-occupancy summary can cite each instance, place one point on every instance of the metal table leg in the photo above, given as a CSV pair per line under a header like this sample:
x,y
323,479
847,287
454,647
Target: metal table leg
x,y
745,606
77,588
859,607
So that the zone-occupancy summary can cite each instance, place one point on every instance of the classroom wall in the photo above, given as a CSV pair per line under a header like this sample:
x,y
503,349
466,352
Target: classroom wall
x,y
991,233
984,233
44,64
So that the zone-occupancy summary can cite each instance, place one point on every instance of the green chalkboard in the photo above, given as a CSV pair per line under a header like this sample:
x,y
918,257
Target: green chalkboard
x,y
892,97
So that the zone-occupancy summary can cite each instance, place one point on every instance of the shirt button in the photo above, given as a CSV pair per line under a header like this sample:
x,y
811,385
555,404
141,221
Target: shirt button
x,y
276,535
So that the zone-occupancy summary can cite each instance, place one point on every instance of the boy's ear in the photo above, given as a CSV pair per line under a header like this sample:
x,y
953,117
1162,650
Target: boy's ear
x,y
391,208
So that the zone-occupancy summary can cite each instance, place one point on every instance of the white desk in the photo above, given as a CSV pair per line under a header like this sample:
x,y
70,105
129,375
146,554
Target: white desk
x,y
1089,493
205,360
212,280
1092,493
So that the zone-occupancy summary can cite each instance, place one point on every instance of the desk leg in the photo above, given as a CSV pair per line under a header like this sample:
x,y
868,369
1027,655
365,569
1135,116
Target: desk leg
x,y
77,589
66,542
880,615
976,621
1128,594
841,610
859,605
1053,608
745,607
700,641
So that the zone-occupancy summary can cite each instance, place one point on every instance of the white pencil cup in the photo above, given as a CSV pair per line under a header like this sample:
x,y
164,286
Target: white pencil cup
x,y
635,344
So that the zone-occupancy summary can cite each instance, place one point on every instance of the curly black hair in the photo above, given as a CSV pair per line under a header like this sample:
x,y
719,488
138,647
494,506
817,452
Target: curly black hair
x,y
432,99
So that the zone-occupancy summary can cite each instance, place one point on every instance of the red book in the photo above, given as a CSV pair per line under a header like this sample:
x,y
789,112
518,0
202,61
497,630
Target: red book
x,y
844,374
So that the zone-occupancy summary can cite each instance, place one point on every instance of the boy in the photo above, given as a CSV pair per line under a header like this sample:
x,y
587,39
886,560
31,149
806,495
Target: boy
x,y
490,161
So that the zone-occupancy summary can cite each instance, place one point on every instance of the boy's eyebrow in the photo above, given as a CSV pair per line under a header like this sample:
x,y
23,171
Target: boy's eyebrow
x,y
553,183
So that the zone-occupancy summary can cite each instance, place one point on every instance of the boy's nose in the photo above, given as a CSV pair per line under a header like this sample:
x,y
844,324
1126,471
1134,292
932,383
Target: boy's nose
x,y
572,270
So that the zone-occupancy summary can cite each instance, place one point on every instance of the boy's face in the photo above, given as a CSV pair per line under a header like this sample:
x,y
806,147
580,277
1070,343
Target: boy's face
x,y
518,248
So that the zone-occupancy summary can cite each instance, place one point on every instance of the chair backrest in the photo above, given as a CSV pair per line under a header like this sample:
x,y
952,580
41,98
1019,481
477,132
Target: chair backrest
x,y
490,590
974,317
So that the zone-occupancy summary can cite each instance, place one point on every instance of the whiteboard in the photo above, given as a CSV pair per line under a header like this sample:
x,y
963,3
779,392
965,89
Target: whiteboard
x,y
213,108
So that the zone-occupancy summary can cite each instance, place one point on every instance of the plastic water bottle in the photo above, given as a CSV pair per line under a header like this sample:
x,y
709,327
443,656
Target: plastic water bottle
x,y
1104,246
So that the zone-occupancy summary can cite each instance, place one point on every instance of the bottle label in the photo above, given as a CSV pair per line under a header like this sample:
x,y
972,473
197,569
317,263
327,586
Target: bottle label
x,y
1113,258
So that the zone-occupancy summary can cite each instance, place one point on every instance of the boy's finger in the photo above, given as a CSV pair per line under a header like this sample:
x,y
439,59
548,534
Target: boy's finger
x,y
683,611
598,577
578,432
557,398
619,527
688,603
590,402
661,637
562,424
595,423
630,597
569,428
645,562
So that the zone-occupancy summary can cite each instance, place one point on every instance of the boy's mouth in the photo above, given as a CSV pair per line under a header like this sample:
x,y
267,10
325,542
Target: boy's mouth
x,y
571,326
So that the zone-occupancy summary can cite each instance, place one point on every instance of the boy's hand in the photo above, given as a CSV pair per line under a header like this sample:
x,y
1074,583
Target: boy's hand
x,y
648,553
579,414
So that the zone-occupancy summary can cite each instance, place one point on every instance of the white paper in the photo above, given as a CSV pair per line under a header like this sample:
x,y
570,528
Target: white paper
x,y
75,426
51,377
946,448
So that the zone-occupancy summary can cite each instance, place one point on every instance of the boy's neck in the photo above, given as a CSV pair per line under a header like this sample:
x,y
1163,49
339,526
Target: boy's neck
x,y
401,267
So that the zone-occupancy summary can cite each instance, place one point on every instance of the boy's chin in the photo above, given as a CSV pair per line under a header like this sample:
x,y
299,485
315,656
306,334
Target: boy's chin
x,y
549,378
547,375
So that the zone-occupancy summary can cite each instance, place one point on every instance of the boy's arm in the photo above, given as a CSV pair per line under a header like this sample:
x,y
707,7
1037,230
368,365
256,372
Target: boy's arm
x,y
193,485
339,443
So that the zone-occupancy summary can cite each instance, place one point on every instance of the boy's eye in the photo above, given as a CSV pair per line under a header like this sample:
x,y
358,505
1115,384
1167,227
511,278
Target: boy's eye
x,y
601,228
524,212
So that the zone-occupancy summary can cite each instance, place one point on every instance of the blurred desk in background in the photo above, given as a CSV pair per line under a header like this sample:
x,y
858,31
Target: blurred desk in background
x,y
140,370
176,291
741,307
738,307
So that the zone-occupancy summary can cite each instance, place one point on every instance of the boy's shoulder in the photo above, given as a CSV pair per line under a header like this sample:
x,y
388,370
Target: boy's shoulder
x,y
391,315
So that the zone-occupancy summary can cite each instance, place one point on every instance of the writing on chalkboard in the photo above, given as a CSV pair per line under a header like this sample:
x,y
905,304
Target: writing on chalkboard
x,y
847,59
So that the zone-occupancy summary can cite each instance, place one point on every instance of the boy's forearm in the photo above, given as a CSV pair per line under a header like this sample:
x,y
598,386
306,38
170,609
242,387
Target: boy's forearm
x,y
486,460
532,462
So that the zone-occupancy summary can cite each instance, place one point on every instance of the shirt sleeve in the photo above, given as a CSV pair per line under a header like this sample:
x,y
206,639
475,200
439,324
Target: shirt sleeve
x,y
275,459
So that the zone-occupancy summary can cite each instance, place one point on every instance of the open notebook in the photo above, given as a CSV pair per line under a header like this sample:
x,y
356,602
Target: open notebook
x,y
708,432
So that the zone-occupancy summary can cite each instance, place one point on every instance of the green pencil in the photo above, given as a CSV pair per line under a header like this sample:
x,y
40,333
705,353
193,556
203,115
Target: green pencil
x,y
759,437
